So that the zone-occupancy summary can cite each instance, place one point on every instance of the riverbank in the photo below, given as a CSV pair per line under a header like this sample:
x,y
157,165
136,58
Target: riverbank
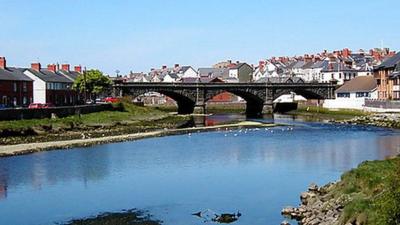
x,y
320,112
124,119
369,194
86,141
390,120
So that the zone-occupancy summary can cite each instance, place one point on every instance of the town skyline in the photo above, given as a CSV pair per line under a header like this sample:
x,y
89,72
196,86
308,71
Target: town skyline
x,y
144,35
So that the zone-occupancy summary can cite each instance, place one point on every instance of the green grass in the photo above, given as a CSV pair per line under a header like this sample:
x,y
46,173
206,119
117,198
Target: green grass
x,y
321,110
374,192
129,113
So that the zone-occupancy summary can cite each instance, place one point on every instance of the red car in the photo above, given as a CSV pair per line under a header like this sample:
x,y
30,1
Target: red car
x,y
40,105
111,100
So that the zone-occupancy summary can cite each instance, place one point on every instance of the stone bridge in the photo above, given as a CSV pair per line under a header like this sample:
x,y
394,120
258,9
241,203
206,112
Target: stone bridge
x,y
259,96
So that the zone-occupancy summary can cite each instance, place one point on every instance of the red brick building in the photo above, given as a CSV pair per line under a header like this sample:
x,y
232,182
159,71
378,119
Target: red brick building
x,y
52,85
383,74
16,89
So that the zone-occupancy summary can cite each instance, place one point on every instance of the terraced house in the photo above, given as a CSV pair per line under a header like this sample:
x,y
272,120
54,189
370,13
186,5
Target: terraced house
x,y
16,89
52,85
383,74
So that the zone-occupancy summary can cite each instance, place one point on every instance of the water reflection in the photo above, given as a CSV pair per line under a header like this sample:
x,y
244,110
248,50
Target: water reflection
x,y
256,171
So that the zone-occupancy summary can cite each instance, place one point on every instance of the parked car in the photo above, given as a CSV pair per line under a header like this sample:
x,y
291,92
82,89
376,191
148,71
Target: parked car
x,y
2,106
111,100
35,106
48,105
40,105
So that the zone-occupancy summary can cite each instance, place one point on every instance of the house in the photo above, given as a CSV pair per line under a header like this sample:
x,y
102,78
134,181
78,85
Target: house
x,y
382,73
51,85
72,75
185,71
221,73
352,94
315,70
16,89
260,71
138,77
394,79
338,71
243,72
169,77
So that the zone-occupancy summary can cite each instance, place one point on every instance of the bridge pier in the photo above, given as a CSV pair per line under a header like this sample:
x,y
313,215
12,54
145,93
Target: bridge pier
x,y
268,107
200,109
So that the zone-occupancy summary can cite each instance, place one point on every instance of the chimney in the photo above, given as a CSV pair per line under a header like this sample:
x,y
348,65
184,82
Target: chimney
x,y
176,65
52,67
237,62
65,67
164,67
229,61
346,53
3,63
78,69
36,66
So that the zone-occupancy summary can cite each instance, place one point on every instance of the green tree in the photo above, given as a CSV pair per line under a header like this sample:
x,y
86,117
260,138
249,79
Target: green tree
x,y
92,82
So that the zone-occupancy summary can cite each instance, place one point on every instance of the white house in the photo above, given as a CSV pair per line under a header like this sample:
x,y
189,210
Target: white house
x,y
339,72
186,72
52,86
353,93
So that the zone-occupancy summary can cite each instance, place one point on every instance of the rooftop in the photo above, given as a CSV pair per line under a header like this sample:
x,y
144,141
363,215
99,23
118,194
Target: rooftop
x,y
358,84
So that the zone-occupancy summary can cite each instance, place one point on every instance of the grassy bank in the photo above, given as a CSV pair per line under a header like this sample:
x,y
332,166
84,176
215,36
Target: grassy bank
x,y
369,194
323,113
127,118
373,193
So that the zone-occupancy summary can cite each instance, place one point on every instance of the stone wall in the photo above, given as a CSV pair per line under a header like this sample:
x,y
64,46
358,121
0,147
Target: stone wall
x,y
18,114
382,104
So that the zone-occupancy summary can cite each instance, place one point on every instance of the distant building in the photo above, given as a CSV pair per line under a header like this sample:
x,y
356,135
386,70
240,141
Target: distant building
x,y
394,78
337,71
16,89
352,94
382,73
52,86
242,72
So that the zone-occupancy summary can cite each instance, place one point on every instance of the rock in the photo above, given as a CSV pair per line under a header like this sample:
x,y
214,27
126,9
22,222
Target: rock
x,y
285,223
313,188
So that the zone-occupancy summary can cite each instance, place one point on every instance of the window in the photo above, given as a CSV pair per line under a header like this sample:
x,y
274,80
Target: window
x,y
378,81
343,95
362,94
24,87
25,100
15,103
15,87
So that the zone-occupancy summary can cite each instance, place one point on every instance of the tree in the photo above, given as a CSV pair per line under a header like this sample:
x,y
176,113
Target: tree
x,y
92,82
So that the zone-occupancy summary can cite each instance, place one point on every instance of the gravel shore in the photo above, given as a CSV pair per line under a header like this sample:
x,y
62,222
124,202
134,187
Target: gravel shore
x,y
20,149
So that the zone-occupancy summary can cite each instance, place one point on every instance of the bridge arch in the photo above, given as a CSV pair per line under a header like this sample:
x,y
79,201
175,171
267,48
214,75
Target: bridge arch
x,y
306,93
185,104
254,103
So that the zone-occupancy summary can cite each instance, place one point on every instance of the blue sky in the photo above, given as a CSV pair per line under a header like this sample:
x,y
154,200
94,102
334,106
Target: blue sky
x,y
138,35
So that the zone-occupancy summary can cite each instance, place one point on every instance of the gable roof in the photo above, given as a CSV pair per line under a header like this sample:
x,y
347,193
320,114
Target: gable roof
x,y
72,75
237,66
359,84
49,76
13,74
335,67
389,62
214,72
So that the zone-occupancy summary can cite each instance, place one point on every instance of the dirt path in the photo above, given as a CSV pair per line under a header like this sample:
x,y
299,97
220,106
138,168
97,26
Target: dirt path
x,y
20,149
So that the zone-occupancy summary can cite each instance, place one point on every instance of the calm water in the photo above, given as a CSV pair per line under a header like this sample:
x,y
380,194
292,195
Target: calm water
x,y
257,172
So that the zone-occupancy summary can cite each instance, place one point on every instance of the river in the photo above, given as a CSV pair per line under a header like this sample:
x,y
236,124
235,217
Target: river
x,y
256,172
